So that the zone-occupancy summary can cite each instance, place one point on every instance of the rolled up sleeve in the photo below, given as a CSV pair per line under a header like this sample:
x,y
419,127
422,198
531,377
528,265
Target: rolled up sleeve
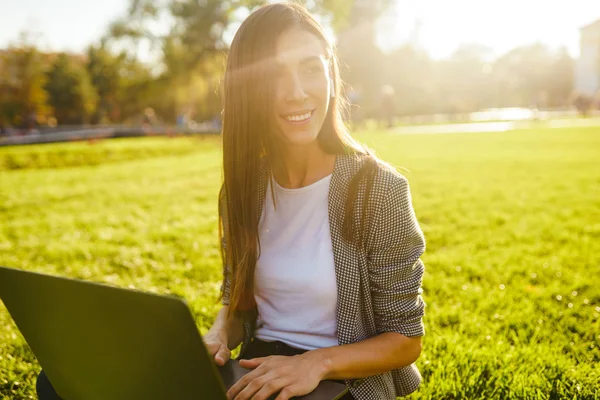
x,y
395,268
226,283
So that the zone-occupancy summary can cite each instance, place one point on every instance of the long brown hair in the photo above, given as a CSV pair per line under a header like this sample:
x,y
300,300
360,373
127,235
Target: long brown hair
x,y
248,140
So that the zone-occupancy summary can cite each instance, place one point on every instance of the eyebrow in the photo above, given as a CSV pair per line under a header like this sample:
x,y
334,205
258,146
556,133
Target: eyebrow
x,y
310,59
304,61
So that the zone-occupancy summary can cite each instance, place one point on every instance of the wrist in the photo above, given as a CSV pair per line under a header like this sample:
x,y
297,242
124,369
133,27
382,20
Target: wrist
x,y
218,332
323,363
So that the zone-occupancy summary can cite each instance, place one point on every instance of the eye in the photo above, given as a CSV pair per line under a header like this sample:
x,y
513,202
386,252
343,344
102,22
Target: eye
x,y
278,73
312,69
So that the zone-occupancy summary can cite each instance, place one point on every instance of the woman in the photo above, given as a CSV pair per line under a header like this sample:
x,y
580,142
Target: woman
x,y
321,246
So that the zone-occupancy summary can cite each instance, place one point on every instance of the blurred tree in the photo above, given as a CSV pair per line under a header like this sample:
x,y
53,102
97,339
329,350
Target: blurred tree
x,y
462,80
345,15
125,86
195,43
23,99
188,49
191,46
583,103
104,70
559,85
71,94
413,75
521,75
363,64
136,92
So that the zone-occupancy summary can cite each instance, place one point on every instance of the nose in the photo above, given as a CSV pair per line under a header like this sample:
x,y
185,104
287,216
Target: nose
x,y
295,89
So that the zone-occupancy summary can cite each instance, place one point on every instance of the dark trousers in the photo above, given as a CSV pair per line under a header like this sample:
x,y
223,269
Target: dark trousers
x,y
257,348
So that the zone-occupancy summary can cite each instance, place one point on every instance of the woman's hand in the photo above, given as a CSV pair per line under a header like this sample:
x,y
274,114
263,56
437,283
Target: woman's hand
x,y
216,344
291,376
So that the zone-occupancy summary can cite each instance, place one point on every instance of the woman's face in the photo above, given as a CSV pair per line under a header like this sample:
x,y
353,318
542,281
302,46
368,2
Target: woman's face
x,y
302,86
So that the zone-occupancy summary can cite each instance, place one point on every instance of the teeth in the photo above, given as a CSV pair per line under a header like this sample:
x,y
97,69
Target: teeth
x,y
298,118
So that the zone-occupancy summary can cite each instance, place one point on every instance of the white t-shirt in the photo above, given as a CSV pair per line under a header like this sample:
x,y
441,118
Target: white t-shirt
x,y
295,282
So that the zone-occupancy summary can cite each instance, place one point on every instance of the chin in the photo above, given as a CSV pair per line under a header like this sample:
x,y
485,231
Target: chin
x,y
300,138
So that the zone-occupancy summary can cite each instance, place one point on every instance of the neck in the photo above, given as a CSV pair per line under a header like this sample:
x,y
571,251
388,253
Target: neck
x,y
302,165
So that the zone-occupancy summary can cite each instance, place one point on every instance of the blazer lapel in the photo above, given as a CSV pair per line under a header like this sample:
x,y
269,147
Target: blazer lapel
x,y
346,269
263,180
250,316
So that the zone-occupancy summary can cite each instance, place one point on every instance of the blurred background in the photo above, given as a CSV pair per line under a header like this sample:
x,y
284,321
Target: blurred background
x,y
489,108
160,62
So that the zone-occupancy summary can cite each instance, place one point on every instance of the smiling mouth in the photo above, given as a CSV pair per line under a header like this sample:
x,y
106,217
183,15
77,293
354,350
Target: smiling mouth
x,y
299,118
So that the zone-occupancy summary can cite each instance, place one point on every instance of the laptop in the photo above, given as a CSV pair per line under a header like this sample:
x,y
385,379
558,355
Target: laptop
x,y
98,342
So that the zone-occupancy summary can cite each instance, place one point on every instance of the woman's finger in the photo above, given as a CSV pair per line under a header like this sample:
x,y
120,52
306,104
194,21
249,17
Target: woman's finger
x,y
222,356
244,381
254,386
288,392
270,387
212,348
253,362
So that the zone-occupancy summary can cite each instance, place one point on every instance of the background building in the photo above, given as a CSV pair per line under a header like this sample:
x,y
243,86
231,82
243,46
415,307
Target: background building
x,y
587,68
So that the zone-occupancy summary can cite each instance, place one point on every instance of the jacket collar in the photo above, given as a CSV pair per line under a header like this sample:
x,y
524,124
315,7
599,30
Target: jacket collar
x,y
344,168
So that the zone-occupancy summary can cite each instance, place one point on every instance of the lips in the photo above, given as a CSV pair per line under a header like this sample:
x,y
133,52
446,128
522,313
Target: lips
x,y
298,117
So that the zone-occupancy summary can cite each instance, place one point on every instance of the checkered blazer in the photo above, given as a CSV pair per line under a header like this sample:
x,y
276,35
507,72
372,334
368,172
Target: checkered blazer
x,y
378,282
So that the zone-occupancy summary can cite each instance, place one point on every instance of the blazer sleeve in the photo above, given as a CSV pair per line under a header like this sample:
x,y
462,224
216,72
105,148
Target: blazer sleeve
x,y
226,283
395,267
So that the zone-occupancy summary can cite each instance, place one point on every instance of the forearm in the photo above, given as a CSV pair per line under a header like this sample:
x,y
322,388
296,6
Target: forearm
x,y
369,357
229,325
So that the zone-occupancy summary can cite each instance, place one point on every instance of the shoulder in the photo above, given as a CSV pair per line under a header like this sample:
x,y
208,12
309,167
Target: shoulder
x,y
386,179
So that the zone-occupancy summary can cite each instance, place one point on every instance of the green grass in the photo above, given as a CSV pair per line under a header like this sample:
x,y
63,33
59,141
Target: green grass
x,y
512,222
94,152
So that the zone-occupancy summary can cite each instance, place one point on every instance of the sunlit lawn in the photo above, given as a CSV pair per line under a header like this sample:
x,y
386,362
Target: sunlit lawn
x,y
513,260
